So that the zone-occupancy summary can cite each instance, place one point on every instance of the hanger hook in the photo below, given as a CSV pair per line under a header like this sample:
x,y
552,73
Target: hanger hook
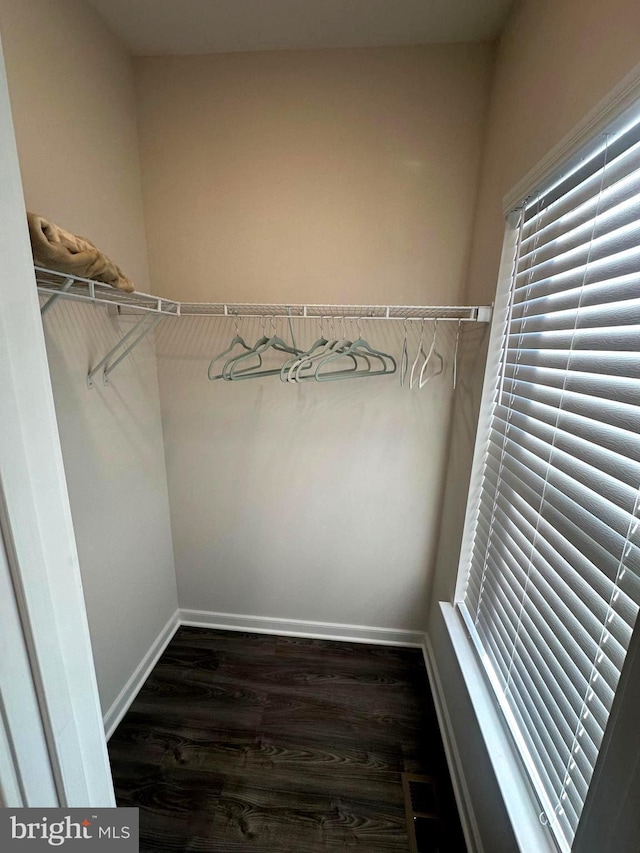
x,y
359,326
435,334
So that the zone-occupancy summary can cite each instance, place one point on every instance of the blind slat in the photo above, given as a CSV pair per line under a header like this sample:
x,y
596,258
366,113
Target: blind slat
x,y
567,680
557,602
552,590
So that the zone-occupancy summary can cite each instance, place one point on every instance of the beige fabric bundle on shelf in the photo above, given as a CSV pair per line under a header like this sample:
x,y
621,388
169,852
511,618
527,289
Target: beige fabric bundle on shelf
x,y
57,249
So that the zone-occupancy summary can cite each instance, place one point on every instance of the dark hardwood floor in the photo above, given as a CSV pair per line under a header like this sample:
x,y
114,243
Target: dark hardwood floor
x,y
247,742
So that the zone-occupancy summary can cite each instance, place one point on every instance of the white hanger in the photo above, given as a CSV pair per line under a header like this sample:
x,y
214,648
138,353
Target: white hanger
x,y
404,358
455,356
433,353
419,353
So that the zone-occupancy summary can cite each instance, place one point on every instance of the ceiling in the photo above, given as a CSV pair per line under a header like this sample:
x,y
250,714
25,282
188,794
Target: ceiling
x,y
154,27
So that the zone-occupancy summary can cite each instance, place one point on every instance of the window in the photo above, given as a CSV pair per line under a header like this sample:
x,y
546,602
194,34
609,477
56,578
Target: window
x,y
551,589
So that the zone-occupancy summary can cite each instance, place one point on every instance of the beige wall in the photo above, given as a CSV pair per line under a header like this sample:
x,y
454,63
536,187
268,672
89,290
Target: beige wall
x,y
71,89
113,453
319,176
338,176
317,501
341,176
555,62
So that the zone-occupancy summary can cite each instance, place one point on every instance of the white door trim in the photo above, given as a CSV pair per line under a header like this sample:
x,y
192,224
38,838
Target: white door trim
x,y
37,528
26,776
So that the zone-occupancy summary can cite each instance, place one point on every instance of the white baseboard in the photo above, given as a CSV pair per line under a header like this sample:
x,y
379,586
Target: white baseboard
x,y
301,628
254,625
131,689
460,789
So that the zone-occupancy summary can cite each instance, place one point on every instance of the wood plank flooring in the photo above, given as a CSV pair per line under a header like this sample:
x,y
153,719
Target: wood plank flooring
x,y
246,742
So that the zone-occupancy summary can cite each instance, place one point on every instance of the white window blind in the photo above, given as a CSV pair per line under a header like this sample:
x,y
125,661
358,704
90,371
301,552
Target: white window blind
x,y
552,590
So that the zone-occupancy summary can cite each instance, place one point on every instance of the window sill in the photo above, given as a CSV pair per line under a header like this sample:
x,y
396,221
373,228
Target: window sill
x,y
519,802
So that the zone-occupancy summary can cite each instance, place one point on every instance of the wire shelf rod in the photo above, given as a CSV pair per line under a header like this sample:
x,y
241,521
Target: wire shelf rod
x,y
347,312
56,285
52,283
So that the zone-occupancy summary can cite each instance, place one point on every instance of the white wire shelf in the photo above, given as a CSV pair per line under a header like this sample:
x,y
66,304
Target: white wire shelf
x,y
150,310
346,312
62,285
58,284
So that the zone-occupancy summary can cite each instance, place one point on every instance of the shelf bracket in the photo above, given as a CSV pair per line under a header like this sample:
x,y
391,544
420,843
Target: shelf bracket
x,y
134,336
484,313
63,289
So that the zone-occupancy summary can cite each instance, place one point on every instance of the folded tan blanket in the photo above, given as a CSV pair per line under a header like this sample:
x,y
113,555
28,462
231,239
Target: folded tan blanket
x,y
57,249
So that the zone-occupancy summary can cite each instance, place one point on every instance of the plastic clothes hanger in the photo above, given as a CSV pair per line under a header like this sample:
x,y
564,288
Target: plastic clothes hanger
x,y
369,352
433,353
404,357
286,371
388,363
419,353
278,343
290,366
231,372
356,348
332,346
254,350
237,340
455,356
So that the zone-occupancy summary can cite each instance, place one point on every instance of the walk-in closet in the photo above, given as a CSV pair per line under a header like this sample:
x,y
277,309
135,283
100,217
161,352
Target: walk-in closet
x,y
255,246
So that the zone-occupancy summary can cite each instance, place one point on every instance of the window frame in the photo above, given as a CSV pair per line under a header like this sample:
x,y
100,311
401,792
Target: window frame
x,y
616,777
